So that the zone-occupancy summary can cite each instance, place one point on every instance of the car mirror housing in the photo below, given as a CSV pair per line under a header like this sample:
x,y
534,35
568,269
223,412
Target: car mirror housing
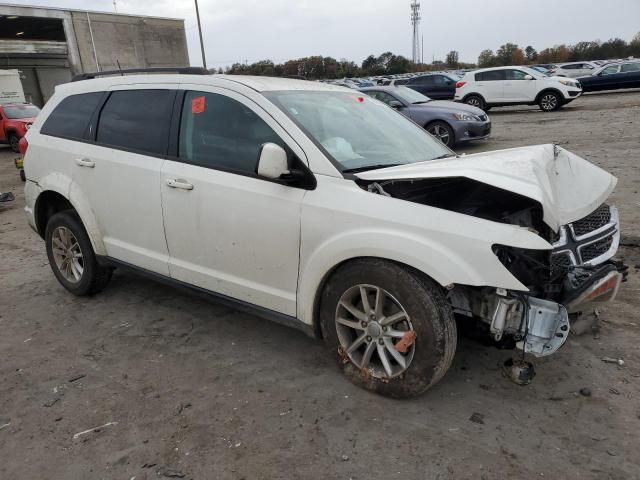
x,y
272,162
395,104
528,77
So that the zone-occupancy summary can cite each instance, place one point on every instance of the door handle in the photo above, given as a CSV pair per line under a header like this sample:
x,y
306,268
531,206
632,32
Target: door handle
x,y
179,183
85,162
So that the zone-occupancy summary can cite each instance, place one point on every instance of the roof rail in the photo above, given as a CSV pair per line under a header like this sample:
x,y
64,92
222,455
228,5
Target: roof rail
x,y
179,70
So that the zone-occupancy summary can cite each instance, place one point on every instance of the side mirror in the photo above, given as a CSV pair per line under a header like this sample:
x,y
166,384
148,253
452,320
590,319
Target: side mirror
x,y
528,77
396,104
273,161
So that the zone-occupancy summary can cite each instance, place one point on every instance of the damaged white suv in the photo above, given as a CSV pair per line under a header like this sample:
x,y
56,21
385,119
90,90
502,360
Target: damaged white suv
x,y
322,208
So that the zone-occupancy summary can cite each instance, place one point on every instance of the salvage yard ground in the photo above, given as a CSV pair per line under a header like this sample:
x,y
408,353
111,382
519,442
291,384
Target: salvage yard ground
x,y
183,388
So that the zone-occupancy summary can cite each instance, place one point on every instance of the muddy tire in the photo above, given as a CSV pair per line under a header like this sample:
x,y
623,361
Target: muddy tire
x,y
71,255
372,308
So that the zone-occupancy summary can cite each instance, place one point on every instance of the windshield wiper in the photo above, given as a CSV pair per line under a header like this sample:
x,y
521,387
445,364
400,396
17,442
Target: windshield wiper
x,y
421,101
370,167
446,155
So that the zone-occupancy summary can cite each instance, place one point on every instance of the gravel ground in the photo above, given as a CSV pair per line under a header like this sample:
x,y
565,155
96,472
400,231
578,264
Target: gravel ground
x,y
183,388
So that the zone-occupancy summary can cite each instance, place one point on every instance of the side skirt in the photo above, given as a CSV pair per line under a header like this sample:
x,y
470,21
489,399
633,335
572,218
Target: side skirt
x,y
210,296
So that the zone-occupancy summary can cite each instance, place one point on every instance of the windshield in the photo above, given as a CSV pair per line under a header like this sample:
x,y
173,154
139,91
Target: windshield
x,y
409,95
357,131
21,111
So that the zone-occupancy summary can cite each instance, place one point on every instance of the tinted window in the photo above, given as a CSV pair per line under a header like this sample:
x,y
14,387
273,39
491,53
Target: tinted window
x,y
630,67
424,81
491,75
515,74
441,80
219,132
71,117
137,120
401,82
610,70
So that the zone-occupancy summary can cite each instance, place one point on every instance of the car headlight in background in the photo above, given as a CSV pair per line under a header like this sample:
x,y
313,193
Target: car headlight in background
x,y
466,117
568,83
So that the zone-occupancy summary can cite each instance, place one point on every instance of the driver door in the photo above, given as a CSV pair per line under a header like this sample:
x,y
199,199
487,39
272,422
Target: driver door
x,y
228,230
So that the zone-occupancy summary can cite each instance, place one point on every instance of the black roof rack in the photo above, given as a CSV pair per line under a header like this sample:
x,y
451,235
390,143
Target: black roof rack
x,y
179,70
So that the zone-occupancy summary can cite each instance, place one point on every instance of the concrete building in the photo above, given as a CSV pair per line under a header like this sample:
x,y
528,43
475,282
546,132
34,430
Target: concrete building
x,y
50,45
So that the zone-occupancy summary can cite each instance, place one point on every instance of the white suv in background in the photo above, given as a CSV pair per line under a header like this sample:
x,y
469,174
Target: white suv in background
x,y
575,69
502,86
321,208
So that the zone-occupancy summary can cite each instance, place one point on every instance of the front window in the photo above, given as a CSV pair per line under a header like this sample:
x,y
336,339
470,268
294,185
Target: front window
x,y
357,132
16,112
409,95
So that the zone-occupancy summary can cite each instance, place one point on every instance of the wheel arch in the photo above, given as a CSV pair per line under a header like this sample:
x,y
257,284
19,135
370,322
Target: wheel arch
x,y
549,90
51,201
474,94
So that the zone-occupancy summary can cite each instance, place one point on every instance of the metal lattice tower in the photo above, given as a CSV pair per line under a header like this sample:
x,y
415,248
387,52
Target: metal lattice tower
x,y
415,22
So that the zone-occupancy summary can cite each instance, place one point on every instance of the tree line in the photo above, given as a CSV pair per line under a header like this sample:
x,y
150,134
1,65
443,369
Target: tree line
x,y
319,67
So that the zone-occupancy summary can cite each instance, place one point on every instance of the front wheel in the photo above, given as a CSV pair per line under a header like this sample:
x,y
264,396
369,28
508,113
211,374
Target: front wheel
x,y
390,328
549,101
443,132
71,255
13,142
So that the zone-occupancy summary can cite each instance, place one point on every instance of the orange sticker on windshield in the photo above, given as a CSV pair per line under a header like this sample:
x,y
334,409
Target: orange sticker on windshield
x,y
197,105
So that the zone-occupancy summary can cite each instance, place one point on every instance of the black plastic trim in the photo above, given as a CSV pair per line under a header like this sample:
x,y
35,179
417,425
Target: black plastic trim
x,y
208,295
178,70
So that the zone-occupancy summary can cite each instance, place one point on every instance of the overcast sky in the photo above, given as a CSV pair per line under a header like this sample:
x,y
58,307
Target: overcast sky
x,y
251,30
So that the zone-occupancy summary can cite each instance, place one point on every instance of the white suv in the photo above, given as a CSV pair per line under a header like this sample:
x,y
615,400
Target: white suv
x,y
501,86
322,208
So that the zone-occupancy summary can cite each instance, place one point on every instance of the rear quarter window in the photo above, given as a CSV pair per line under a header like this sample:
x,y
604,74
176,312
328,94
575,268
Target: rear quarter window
x,y
71,117
137,120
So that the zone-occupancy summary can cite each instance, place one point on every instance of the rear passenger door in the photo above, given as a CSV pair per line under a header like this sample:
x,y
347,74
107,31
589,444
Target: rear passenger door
x,y
443,87
490,85
228,230
118,172
423,84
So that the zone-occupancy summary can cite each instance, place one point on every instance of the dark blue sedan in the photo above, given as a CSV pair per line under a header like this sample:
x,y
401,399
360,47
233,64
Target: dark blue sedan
x,y
613,76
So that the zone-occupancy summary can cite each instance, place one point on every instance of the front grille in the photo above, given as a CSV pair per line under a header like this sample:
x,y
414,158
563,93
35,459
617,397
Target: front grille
x,y
560,263
594,250
595,220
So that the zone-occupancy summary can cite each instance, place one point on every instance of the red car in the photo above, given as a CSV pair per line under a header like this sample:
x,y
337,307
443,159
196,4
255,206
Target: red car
x,y
15,120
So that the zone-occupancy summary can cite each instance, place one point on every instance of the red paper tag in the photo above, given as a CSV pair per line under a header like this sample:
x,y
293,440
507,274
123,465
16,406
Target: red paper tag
x,y
197,105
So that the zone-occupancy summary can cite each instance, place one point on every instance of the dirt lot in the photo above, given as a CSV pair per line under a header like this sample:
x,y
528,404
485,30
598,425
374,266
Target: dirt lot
x,y
191,389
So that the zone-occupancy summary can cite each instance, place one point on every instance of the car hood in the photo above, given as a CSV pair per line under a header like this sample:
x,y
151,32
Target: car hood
x,y
453,107
567,186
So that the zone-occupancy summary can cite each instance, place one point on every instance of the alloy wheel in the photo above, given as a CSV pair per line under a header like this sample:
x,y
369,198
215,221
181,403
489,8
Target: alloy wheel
x,y
440,132
67,254
375,331
549,102
474,102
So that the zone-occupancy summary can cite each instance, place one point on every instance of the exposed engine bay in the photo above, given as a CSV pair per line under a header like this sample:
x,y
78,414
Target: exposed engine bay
x,y
578,270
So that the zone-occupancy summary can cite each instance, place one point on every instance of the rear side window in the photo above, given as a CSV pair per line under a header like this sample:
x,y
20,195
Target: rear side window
x,y
218,132
491,75
137,120
71,117
630,67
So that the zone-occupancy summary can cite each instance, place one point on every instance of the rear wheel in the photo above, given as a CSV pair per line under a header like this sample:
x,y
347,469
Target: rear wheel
x,y
71,255
443,132
476,101
549,101
390,328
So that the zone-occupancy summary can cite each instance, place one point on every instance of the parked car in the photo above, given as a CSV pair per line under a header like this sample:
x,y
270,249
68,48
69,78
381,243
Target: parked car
x,y
15,120
318,207
546,66
438,86
450,122
613,76
500,86
574,69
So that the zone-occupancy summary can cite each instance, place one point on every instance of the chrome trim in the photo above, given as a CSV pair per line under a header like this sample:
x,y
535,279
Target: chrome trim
x,y
611,229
